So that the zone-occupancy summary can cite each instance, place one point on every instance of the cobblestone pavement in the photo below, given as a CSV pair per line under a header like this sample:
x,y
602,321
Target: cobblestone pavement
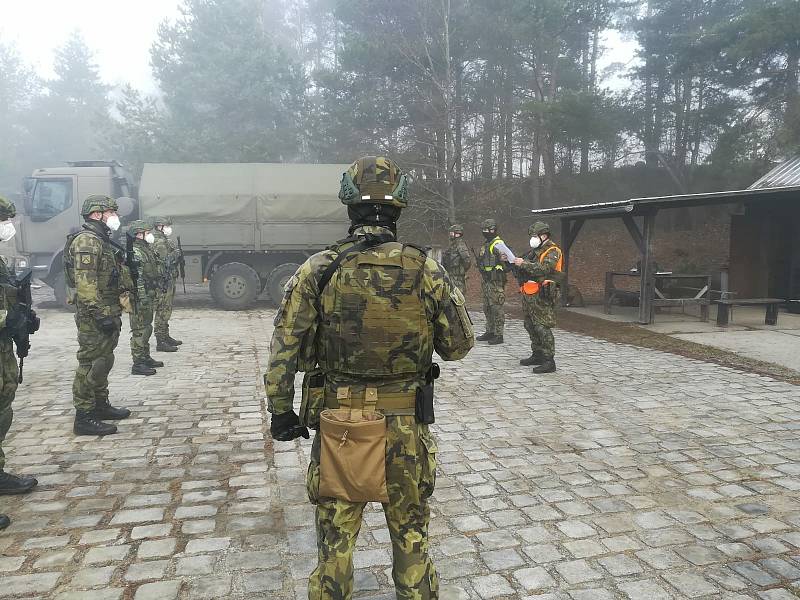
x,y
627,474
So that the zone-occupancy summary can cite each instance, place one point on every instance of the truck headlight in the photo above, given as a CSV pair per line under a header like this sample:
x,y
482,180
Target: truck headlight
x,y
21,263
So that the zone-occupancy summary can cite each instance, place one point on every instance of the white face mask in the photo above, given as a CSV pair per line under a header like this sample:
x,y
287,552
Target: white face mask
x,y
149,237
536,242
113,222
167,230
7,231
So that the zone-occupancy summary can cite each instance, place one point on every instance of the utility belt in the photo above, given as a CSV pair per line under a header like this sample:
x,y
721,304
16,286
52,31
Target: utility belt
x,y
316,397
534,288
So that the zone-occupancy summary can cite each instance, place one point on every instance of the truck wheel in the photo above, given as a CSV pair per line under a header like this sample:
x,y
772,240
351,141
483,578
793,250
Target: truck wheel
x,y
235,286
278,278
60,292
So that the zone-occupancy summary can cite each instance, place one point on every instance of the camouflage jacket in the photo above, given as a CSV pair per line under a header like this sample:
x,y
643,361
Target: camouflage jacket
x,y
8,296
311,328
149,271
168,254
95,271
456,258
534,268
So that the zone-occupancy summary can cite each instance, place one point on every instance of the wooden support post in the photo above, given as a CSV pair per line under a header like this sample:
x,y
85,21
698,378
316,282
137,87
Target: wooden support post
x,y
633,229
647,274
569,231
566,233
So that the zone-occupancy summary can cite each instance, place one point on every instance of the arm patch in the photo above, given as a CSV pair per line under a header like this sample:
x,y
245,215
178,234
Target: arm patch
x,y
85,260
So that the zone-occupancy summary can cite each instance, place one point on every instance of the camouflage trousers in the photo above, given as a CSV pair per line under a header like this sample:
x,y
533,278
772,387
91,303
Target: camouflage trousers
x,y
163,311
538,318
494,297
8,381
410,479
95,360
141,329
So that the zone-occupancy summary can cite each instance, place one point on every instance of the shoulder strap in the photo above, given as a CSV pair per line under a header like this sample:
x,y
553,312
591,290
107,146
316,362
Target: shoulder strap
x,y
328,273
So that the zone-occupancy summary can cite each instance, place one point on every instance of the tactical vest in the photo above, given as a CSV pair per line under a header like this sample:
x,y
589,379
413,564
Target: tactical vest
x,y
109,270
373,320
531,288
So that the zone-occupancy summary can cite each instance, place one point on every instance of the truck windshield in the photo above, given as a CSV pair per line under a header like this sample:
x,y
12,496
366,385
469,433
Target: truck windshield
x,y
50,198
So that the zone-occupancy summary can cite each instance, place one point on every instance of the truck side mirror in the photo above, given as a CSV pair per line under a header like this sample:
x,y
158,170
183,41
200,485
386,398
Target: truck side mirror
x,y
28,183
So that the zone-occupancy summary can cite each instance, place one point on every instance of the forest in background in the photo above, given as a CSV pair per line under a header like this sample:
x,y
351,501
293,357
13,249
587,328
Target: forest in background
x,y
494,106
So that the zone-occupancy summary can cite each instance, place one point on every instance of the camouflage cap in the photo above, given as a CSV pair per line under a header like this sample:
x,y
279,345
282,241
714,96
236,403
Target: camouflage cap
x,y
7,209
538,228
156,221
139,226
456,228
489,224
374,180
98,202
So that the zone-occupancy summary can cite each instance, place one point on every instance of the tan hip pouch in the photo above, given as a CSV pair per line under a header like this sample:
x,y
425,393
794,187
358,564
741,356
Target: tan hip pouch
x,y
352,463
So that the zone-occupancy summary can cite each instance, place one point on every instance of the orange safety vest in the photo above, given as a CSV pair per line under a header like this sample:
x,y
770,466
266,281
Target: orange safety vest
x,y
531,288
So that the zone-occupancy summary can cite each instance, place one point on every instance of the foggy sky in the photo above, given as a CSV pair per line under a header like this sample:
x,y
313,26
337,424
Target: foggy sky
x,y
120,33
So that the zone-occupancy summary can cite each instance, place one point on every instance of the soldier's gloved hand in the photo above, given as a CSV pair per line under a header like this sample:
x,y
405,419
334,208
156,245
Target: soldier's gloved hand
x,y
107,324
286,427
33,323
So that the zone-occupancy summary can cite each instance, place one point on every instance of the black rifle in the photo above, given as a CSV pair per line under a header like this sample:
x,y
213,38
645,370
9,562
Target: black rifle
x,y
30,325
182,265
133,267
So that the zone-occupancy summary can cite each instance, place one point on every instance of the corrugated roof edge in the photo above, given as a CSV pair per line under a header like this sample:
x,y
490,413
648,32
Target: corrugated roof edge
x,y
784,175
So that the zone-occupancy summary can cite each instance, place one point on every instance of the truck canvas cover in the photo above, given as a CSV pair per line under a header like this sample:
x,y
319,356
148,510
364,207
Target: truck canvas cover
x,y
253,206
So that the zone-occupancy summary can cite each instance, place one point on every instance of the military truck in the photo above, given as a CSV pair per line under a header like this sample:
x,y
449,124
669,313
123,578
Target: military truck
x,y
245,228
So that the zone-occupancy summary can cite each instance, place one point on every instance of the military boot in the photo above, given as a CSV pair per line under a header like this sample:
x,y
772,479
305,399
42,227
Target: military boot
x,y
172,341
140,368
87,424
103,411
548,366
15,484
534,359
152,362
4,522
163,345
497,339
485,337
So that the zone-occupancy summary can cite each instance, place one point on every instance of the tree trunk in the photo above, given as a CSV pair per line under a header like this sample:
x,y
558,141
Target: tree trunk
x,y
488,124
459,119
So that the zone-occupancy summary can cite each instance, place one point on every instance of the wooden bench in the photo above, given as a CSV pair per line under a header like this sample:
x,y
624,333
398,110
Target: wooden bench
x,y
724,305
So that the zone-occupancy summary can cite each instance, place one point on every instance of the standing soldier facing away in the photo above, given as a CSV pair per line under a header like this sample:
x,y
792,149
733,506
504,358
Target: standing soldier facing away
x,y
97,279
169,256
493,283
456,258
12,320
539,272
363,319
141,317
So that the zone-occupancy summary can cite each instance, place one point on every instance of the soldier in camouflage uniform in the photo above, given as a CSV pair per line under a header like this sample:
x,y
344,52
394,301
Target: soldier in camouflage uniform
x,y
493,284
456,258
538,272
141,317
169,255
98,285
12,320
384,310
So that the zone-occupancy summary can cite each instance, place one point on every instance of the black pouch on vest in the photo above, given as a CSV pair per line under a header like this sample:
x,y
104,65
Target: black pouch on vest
x,y
423,409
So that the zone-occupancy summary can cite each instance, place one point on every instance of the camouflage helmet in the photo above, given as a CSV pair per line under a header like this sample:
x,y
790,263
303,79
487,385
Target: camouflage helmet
x,y
538,228
456,228
156,221
140,226
489,224
374,180
98,203
7,209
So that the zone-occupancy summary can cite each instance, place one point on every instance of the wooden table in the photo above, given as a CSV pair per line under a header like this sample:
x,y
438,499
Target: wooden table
x,y
724,307
699,298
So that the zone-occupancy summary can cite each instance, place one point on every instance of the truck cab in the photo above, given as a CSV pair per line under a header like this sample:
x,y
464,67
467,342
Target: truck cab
x,y
51,210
